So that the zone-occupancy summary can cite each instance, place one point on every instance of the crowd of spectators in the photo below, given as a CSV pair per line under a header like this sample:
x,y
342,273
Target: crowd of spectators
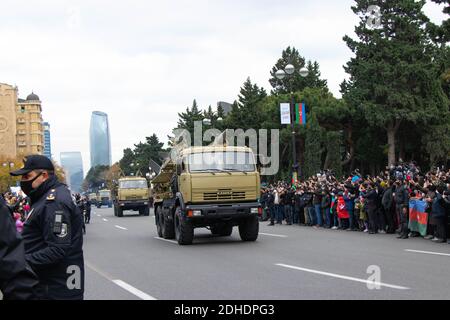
x,y
371,204
19,207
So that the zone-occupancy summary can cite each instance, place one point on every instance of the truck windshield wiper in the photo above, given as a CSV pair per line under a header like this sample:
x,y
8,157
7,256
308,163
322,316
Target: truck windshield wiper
x,y
236,170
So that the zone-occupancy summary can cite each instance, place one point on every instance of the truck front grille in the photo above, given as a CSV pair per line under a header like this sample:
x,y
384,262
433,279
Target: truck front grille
x,y
223,195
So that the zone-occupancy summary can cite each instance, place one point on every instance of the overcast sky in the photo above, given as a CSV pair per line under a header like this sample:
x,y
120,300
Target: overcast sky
x,y
142,62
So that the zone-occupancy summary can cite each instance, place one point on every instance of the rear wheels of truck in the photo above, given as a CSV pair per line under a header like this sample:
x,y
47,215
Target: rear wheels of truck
x,y
184,231
119,211
223,230
165,226
249,229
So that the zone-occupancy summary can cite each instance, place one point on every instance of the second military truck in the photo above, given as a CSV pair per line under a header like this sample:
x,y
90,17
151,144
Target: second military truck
x,y
132,193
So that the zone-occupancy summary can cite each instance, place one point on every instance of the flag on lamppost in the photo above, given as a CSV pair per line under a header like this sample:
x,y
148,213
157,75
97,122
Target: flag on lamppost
x,y
300,113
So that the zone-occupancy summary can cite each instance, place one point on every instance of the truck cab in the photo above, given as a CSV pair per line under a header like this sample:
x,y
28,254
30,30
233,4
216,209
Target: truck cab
x,y
132,194
104,198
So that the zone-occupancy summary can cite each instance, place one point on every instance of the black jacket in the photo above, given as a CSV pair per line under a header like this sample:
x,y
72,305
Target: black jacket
x,y
17,280
53,243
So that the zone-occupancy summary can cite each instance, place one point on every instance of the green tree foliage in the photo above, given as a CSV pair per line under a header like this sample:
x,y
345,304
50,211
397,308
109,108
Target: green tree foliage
x,y
246,112
295,82
392,77
313,147
186,119
143,152
96,177
126,161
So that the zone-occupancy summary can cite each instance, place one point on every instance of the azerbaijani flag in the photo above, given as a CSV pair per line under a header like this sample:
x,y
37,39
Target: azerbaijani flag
x,y
300,113
418,217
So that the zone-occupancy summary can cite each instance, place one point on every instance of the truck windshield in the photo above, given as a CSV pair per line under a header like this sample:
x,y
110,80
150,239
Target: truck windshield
x,y
133,184
104,193
221,161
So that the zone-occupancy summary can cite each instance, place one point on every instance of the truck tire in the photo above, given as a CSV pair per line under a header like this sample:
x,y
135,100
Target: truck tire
x,y
146,212
168,229
184,231
223,230
248,229
158,222
115,211
119,212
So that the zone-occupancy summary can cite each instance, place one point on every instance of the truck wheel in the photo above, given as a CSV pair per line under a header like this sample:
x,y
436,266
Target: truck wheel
x,y
168,229
115,211
146,211
223,230
184,232
248,230
119,212
158,222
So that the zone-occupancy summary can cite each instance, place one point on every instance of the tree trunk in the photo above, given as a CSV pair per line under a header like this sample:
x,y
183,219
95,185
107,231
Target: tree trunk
x,y
351,146
391,132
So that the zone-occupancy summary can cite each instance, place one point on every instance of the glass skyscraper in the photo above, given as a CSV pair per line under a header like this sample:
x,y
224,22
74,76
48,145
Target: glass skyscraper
x,y
100,139
47,143
73,166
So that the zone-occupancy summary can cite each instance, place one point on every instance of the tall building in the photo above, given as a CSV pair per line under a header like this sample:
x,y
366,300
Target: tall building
x,y
72,164
21,131
8,127
47,141
100,143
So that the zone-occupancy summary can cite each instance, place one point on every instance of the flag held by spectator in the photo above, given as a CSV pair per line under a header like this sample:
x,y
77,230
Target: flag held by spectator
x,y
418,217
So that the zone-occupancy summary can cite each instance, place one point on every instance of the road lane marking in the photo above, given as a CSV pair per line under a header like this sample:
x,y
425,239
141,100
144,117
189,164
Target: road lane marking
x,y
105,220
429,252
167,240
120,283
119,227
133,290
333,275
273,235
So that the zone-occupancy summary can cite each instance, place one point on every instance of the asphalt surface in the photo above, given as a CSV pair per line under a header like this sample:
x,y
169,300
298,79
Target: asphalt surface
x,y
124,259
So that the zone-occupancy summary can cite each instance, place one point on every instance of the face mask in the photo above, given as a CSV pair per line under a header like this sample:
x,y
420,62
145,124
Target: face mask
x,y
27,187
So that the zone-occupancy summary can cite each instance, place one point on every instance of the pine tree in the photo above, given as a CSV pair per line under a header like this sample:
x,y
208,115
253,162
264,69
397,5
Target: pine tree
x,y
295,82
392,77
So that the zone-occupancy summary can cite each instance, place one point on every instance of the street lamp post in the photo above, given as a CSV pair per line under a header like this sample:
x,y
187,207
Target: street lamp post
x,y
289,70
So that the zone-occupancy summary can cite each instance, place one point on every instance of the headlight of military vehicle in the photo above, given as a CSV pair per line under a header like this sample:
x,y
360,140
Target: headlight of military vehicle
x,y
197,213
254,210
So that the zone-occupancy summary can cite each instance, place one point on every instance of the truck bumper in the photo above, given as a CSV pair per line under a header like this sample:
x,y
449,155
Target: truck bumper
x,y
132,204
213,212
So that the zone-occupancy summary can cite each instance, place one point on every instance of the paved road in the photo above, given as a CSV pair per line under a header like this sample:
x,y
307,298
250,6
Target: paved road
x,y
125,260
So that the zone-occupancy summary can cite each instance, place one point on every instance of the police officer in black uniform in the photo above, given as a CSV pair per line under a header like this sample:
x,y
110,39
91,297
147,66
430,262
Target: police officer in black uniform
x,y
17,280
52,232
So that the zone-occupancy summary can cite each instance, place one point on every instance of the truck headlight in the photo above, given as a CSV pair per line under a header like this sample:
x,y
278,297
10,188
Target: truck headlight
x,y
197,213
254,210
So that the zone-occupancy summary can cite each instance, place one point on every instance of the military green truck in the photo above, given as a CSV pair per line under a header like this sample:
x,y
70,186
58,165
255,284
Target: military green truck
x,y
132,193
104,198
216,187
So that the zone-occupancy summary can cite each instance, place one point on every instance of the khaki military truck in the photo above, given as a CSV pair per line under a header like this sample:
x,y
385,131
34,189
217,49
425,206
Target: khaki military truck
x,y
93,198
104,198
132,193
216,187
